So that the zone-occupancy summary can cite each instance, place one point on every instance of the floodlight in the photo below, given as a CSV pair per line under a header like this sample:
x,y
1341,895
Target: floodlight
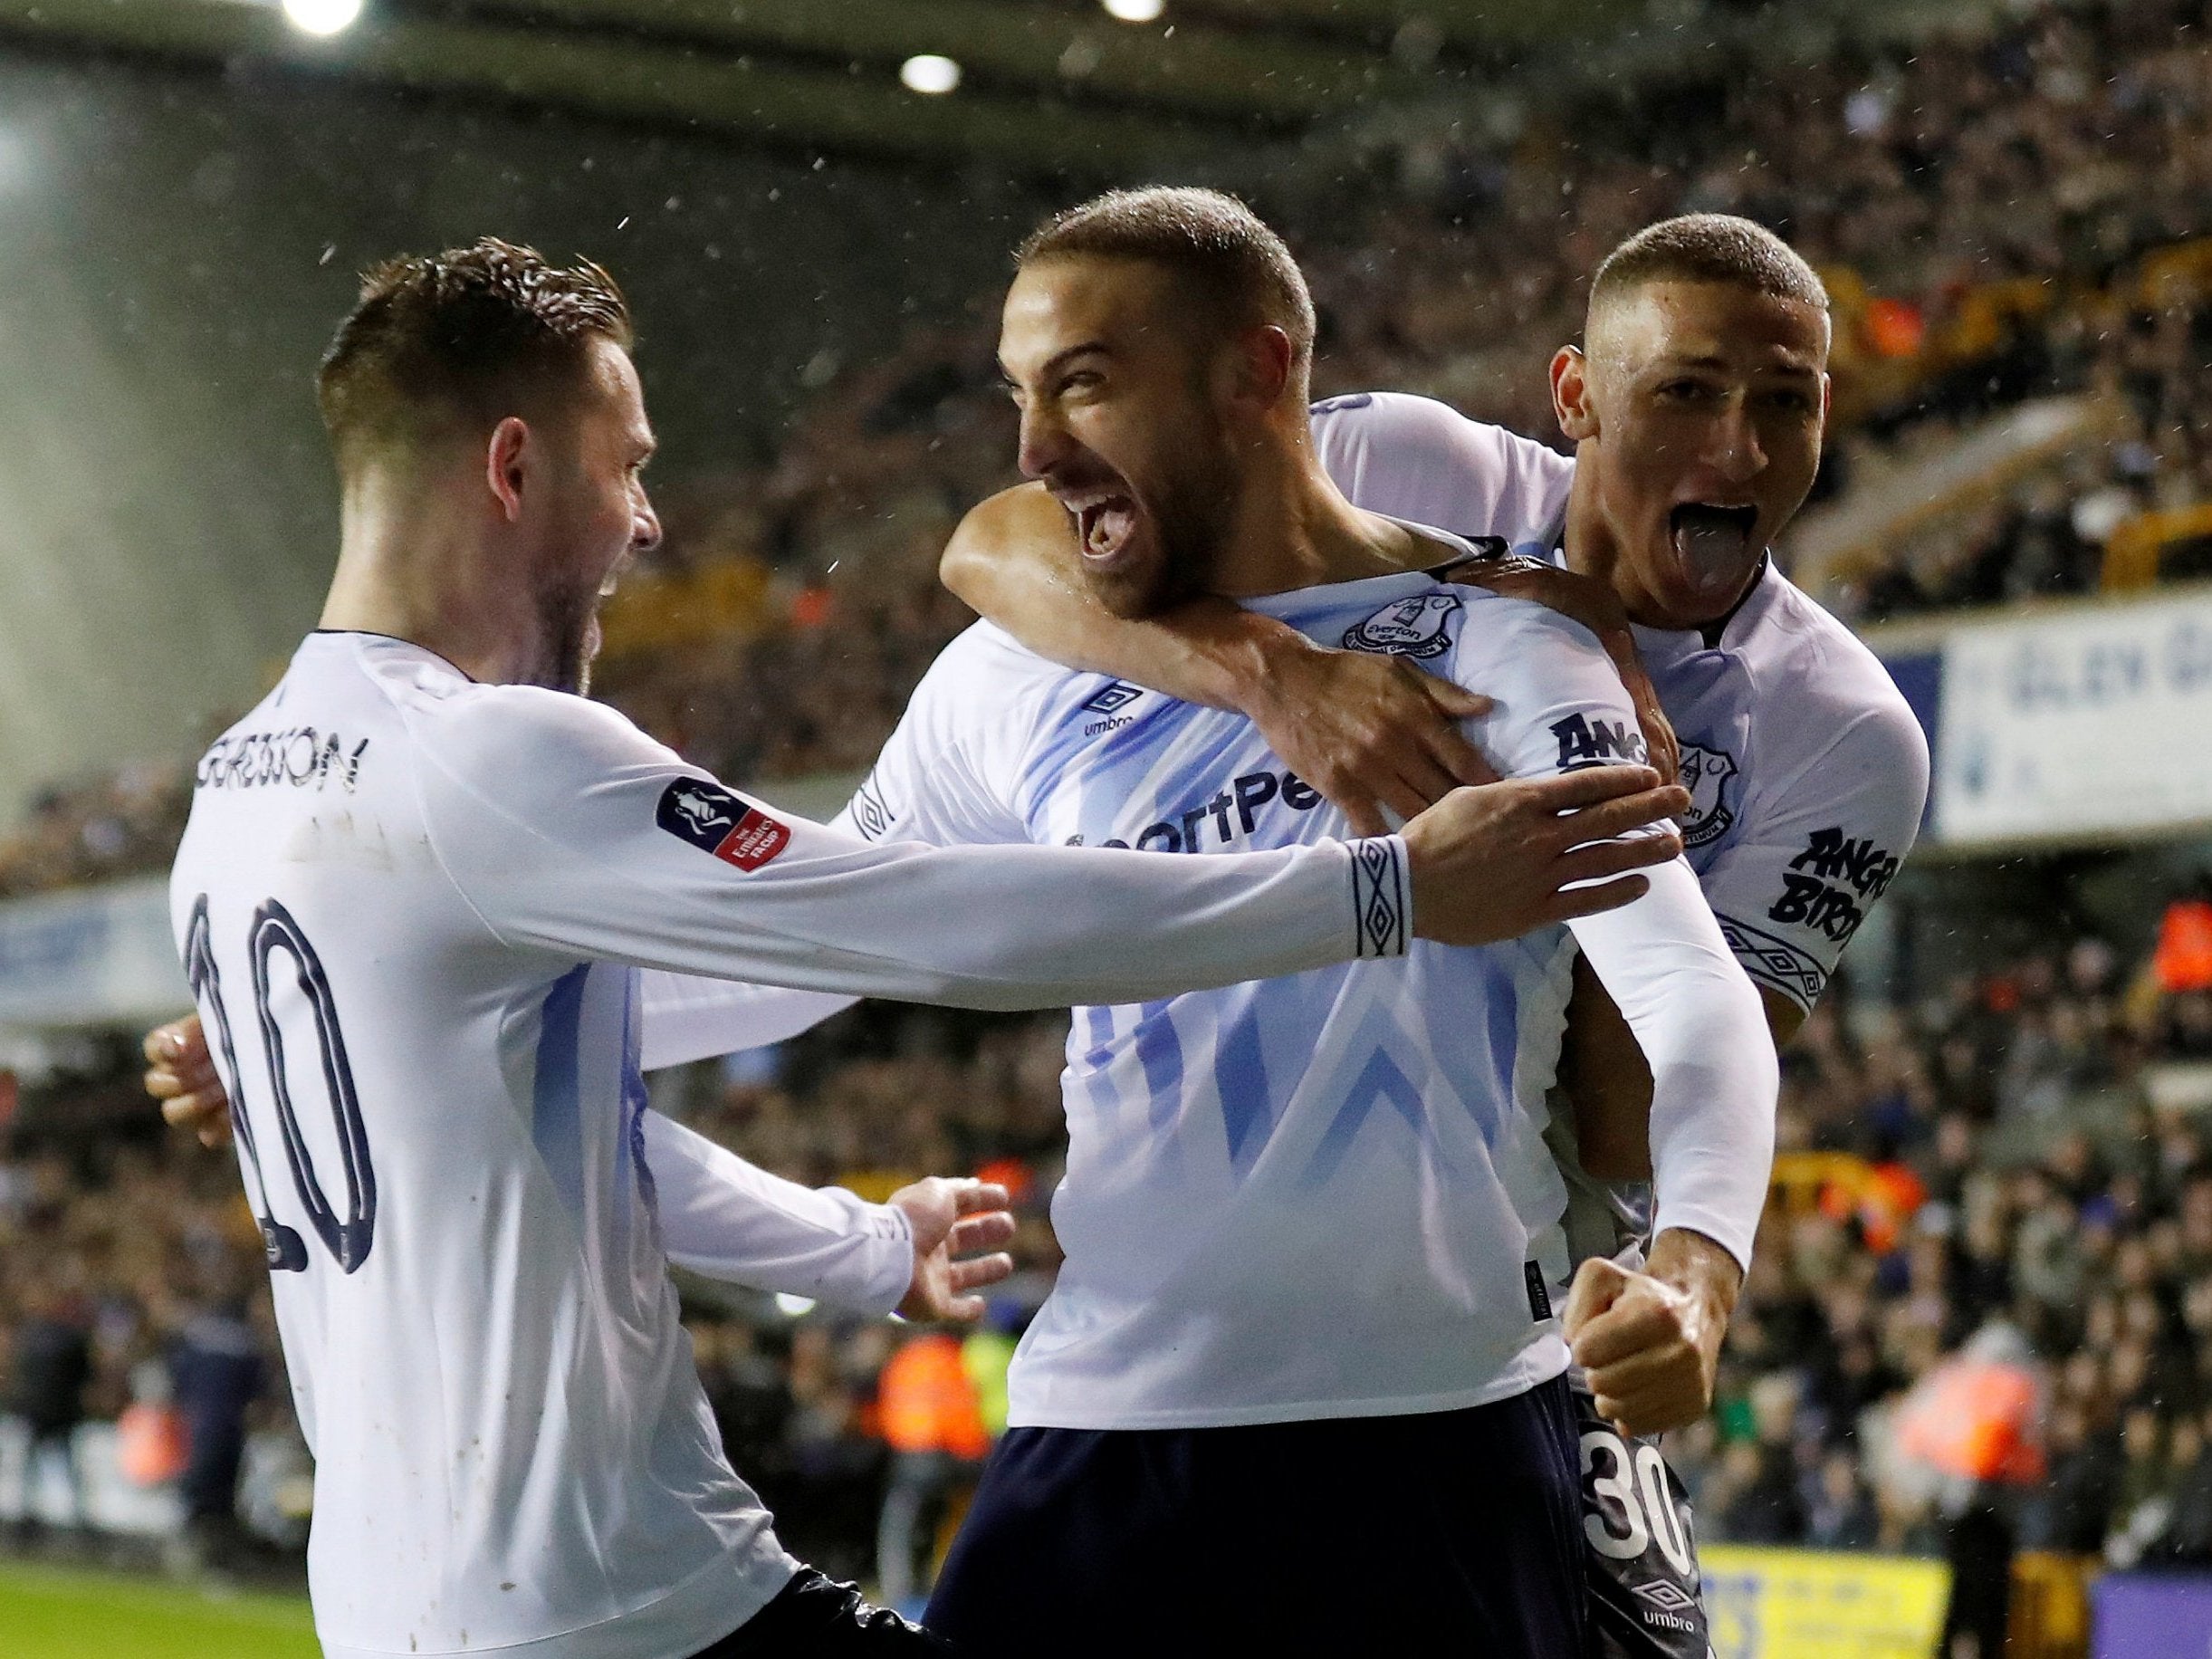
x,y
928,72
322,16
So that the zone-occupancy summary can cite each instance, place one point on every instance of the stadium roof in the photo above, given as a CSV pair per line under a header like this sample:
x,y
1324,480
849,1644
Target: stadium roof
x,y
1046,86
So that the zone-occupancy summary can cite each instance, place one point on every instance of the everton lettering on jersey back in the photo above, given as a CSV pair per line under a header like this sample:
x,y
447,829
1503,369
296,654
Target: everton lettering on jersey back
x,y
1209,1132
1807,772
412,910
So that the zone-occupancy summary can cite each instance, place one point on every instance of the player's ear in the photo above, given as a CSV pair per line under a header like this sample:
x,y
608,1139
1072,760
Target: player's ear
x,y
1268,358
1570,394
503,460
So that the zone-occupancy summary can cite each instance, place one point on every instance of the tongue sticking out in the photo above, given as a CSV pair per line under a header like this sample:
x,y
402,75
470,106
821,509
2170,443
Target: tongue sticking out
x,y
1714,545
1105,527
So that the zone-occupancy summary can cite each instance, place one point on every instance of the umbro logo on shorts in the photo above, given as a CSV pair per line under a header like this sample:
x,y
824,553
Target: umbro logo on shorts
x,y
715,821
1660,1594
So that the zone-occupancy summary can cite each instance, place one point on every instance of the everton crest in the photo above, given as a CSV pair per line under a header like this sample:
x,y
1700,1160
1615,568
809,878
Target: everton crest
x,y
1411,627
1705,774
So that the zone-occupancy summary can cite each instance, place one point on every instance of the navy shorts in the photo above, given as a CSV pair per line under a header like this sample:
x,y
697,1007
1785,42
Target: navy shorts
x,y
1444,1532
1647,1599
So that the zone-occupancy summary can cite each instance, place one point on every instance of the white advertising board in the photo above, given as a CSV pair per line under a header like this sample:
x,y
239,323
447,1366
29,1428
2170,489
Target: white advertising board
x,y
90,956
2095,721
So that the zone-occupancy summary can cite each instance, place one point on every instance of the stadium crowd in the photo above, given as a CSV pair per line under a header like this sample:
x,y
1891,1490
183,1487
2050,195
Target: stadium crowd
x,y
2053,157
124,824
2007,1160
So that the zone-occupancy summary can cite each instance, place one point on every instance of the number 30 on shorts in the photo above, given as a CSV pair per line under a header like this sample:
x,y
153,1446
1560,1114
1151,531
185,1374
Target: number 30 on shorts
x,y
1630,1509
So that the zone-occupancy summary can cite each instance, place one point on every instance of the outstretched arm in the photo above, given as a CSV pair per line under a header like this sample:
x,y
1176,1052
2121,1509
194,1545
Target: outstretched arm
x,y
638,859
727,1219
1369,731
689,1017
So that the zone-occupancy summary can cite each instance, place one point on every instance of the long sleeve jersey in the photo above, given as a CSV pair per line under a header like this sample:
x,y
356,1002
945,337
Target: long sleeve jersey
x,y
413,910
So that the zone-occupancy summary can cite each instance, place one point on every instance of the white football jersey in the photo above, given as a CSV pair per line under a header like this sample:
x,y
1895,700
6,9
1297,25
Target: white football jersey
x,y
1807,772
412,909
1325,1196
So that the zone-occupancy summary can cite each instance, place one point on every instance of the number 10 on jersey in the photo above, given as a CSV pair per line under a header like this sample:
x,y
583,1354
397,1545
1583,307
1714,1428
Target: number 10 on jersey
x,y
349,1238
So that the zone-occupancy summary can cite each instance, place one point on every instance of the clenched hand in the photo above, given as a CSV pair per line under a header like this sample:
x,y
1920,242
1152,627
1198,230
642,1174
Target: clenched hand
x,y
181,1075
1651,1342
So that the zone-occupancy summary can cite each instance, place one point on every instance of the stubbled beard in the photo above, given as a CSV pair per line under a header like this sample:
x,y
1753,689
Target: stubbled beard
x,y
564,624
1189,520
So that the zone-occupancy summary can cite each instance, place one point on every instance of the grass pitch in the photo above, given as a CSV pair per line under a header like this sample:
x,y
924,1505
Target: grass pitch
x,y
51,1613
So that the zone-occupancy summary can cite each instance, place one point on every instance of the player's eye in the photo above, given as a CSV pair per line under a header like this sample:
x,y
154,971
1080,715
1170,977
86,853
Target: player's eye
x,y
1684,392
1793,402
1082,380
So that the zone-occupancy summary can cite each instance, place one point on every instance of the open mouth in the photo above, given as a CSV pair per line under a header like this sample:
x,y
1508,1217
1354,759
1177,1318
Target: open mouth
x,y
1713,543
1103,524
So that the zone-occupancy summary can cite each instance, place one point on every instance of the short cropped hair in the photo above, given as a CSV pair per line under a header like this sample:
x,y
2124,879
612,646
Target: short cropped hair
x,y
1224,249
443,341
1707,247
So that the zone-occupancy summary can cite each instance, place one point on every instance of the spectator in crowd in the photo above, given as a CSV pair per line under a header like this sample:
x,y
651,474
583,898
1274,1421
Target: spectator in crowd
x,y
216,1370
932,1419
54,1362
1840,1511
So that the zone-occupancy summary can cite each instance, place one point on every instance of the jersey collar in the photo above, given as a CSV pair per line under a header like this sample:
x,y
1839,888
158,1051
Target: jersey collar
x,y
1728,632
365,633
1450,550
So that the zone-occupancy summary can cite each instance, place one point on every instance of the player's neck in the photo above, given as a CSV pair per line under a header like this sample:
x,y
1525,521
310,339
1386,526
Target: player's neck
x,y
1294,529
407,571
1589,543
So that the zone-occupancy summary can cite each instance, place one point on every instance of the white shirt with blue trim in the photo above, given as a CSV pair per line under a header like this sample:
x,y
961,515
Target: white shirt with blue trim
x,y
1807,772
1327,1194
413,910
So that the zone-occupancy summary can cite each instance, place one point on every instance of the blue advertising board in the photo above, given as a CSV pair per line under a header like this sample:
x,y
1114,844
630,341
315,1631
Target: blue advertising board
x,y
2152,1616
